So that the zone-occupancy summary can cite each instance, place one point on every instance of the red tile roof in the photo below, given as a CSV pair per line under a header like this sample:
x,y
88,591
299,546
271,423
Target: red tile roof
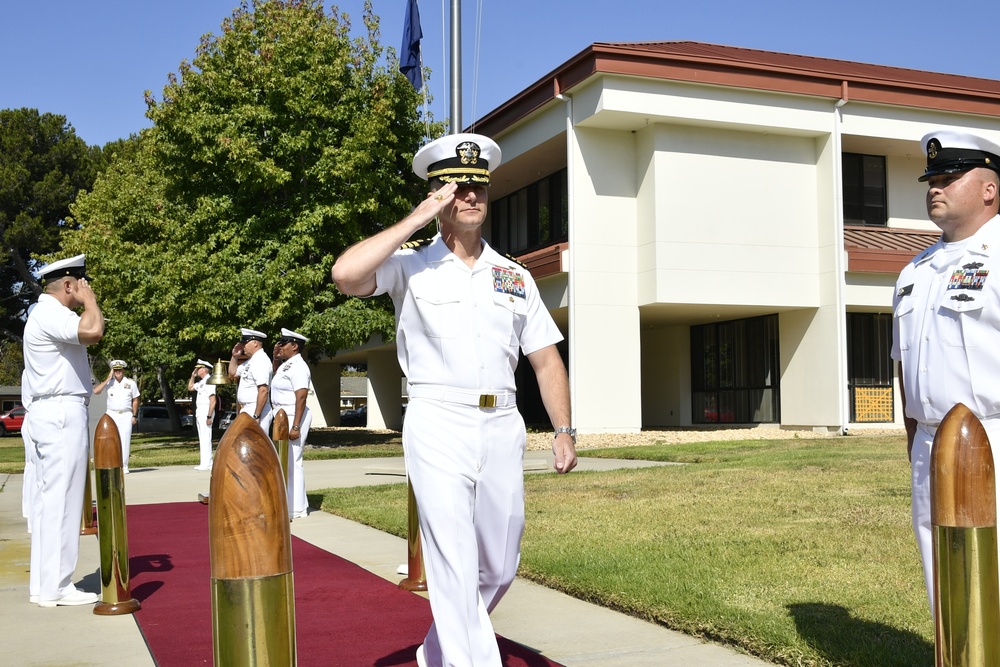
x,y
698,62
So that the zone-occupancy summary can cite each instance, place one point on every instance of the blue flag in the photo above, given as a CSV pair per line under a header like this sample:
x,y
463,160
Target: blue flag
x,y
409,53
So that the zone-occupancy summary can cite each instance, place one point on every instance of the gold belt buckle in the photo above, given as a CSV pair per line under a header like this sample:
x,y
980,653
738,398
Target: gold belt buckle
x,y
487,401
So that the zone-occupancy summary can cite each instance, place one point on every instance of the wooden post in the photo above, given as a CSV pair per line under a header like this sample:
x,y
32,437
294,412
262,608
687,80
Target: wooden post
x,y
253,601
964,522
116,594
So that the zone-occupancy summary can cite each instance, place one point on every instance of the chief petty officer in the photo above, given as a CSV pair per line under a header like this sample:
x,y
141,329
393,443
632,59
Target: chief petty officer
x,y
123,405
946,310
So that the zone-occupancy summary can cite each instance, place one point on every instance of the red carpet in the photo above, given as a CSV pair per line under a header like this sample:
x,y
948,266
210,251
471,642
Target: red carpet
x,y
344,615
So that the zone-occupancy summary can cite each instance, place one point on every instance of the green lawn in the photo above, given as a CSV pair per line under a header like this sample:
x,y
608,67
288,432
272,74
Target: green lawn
x,y
798,551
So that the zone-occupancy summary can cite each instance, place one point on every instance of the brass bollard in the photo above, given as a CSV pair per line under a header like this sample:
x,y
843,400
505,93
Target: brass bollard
x,y
253,601
87,526
116,595
964,520
279,434
416,579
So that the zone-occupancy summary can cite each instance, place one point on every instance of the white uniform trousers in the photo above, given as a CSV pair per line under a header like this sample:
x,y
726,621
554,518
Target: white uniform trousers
x,y
204,437
60,431
123,420
465,465
28,485
298,505
920,494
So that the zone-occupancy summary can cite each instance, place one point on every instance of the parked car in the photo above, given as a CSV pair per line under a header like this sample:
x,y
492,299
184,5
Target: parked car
x,y
355,417
12,420
153,419
227,419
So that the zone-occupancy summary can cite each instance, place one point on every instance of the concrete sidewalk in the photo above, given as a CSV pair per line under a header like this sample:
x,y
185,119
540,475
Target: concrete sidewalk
x,y
567,630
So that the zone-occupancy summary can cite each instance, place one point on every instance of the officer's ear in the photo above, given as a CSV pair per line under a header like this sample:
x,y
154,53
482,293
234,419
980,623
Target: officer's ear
x,y
991,188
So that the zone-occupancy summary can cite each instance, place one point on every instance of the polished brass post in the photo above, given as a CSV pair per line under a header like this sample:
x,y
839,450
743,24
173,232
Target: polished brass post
x,y
279,434
87,526
964,521
250,543
116,594
416,579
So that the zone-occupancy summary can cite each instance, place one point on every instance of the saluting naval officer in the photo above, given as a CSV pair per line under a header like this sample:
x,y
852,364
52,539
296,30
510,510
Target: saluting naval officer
x,y
946,311
57,377
463,314
123,405
289,391
251,366
204,411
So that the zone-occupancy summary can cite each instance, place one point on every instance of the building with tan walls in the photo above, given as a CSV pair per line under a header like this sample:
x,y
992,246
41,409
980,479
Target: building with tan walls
x,y
716,230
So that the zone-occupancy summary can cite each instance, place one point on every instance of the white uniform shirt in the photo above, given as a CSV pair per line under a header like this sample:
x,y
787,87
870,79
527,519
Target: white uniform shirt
x,y
291,375
947,327
253,372
203,392
55,363
459,326
120,394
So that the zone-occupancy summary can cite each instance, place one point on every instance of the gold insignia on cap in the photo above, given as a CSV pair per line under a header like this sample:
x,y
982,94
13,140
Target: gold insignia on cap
x,y
468,152
933,146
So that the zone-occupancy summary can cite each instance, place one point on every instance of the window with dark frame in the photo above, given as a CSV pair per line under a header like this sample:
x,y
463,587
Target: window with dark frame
x,y
869,367
864,181
531,218
735,370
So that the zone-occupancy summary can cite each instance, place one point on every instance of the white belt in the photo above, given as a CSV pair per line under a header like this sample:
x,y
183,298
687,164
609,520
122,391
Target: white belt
x,y
119,411
933,427
62,398
500,399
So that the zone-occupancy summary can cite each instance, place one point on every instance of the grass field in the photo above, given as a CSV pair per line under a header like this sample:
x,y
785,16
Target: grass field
x,y
797,551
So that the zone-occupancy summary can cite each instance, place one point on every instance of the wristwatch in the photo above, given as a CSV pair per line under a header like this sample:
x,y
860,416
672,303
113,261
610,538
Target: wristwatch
x,y
566,429
256,415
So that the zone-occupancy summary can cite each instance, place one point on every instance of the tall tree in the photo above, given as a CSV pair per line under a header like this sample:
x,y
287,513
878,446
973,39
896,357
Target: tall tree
x,y
281,143
43,165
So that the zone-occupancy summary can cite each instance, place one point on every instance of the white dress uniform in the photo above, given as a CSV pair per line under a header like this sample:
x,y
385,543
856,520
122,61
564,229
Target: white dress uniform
x,y
947,318
291,375
57,381
120,396
459,334
253,372
28,485
202,401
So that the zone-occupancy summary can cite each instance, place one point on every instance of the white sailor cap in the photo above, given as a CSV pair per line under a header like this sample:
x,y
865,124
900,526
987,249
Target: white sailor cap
x,y
75,267
118,364
458,158
289,335
954,151
251,334
206,364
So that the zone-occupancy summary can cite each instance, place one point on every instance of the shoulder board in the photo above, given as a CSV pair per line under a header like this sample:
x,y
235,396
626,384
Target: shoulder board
x,y
414,245
516,261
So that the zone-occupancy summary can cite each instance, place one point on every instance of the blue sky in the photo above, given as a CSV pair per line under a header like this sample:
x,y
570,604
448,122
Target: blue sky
x,y
92,60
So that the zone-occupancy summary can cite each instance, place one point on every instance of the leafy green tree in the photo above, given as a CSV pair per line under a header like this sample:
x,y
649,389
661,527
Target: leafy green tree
x,y
280,144
286,141
43,165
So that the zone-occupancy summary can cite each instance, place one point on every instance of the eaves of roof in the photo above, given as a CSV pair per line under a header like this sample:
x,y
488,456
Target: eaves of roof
x,y
698,62
884,249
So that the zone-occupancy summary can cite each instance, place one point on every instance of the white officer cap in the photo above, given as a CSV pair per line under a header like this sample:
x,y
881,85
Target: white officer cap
x,y
206,364
458,158
247,335
288,333
954,151
75,267
118,363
